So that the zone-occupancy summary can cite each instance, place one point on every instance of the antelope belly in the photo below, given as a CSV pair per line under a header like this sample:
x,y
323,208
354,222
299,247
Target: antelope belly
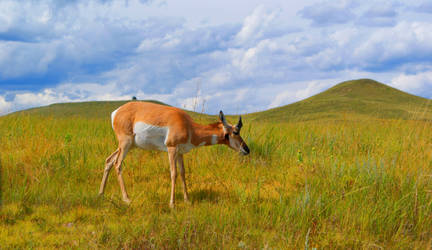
x,y
150,137
184,148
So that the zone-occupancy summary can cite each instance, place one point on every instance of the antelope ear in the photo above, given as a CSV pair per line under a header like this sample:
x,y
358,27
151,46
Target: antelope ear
x,y
240,123
223,120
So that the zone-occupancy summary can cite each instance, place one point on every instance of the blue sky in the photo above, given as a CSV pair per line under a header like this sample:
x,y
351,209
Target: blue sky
x,y
239,56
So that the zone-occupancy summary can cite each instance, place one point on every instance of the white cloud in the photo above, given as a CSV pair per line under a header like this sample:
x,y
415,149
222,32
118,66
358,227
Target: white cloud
x,y
423,6
5,107
256,24
63,93
17,58
45,97
312,88
245,60
220,78
413,83
282,98
378,13
328,12
297,93
409,42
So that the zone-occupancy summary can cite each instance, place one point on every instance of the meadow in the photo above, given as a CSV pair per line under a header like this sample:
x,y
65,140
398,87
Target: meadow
x,y
317,184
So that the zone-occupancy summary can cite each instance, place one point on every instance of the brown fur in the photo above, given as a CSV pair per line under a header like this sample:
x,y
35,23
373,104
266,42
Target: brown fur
x,y
176,119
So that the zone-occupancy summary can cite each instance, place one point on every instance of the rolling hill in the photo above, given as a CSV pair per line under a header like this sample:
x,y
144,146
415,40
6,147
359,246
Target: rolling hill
x,y
95,109
355,99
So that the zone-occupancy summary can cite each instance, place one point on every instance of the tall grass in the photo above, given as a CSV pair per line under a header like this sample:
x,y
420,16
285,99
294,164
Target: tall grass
x,y
313,184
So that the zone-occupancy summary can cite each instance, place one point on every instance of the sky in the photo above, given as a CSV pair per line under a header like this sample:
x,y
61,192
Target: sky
x,y
238,56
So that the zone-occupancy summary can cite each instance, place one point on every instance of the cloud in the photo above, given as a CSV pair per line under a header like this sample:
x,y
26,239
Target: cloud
x,y
420,83
48,96
25,22
69,92
373,13
31,99
256,25
52,51
5,107
422,7
190,41
296,94
17,59
358,48
382,14
81,39
328,13
410,42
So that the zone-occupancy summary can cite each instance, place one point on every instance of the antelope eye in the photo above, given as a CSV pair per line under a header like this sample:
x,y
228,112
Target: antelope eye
x,y
236,132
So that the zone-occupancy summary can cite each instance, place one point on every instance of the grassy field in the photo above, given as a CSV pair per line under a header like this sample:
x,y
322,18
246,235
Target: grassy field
x,y
351,183
311,184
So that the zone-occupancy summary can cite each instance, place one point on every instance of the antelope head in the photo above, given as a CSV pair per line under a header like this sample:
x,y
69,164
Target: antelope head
x,y
232,135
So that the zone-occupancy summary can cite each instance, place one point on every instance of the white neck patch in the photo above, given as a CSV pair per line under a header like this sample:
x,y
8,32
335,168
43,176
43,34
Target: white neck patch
x,y
214,139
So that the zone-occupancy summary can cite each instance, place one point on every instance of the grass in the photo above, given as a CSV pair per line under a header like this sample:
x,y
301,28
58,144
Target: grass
x,y
316,184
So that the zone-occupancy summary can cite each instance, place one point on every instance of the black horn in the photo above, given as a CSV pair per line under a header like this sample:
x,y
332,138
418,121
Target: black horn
x,y
239,124
223,120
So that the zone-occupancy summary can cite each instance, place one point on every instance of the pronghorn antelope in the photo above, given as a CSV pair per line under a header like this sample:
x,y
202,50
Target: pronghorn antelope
x,y
157,127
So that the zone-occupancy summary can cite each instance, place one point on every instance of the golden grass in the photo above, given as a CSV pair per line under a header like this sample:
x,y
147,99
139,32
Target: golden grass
x,y
328,184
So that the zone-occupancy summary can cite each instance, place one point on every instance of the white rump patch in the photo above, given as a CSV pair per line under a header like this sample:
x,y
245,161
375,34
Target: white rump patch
x,y
150,137
112,117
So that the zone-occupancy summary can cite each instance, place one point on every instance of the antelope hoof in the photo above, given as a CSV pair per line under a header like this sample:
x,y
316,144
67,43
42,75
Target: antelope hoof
x,y
187,201
127,201
172,205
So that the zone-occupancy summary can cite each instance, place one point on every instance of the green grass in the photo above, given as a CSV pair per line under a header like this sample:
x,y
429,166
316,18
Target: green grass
x,y
317,184
336,184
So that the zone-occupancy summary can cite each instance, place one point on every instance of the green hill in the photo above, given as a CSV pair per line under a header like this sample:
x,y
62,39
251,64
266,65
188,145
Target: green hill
x,y
93,110
356,99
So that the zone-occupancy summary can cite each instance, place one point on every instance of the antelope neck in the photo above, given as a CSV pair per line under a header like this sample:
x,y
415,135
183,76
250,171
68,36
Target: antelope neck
x,y
209,134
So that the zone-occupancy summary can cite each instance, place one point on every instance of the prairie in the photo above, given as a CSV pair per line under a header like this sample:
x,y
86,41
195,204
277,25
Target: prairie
x,y
322,183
